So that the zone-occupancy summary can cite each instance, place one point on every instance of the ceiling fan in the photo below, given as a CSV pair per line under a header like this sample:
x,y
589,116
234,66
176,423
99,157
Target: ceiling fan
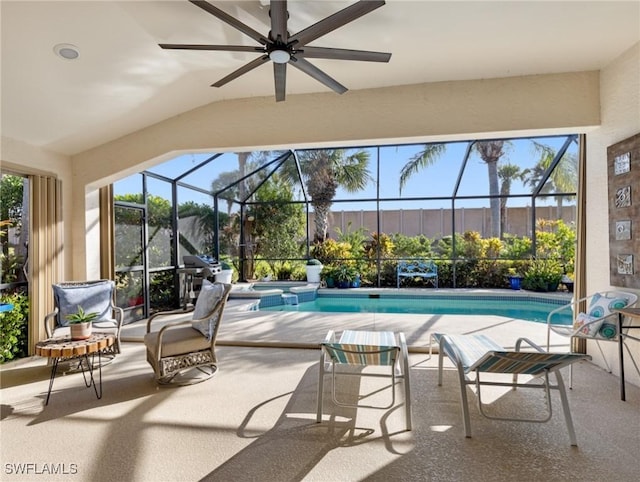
x,y
282,48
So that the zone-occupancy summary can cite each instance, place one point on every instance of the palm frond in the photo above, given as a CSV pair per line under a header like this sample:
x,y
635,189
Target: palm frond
x,y
423,159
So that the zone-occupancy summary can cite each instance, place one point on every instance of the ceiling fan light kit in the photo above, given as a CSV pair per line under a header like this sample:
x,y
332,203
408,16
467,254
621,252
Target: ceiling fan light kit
x,y
279,56
282,48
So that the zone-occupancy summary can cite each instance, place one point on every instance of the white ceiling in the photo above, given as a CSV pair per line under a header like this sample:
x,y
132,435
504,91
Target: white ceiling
x,y
123,81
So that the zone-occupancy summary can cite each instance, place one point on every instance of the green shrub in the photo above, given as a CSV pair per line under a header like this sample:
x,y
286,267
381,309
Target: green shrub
x,y
411,246
14,324
542,275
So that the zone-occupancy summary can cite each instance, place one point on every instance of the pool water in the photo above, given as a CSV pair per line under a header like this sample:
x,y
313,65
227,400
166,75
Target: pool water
x,y
525,309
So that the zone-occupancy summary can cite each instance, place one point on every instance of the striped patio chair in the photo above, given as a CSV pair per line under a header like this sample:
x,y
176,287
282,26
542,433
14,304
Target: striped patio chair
x,y
480,354
365,348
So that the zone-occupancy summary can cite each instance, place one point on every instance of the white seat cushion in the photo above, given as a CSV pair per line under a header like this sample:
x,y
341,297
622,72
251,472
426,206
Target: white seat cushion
x,y
177,341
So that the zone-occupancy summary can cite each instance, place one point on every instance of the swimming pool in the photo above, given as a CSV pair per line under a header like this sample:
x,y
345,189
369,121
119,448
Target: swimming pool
x,y
519,307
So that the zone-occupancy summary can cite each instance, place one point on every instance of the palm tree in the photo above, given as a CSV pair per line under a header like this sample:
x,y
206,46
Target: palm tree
x,y
223,180
564,177
490,152
507,174
325,170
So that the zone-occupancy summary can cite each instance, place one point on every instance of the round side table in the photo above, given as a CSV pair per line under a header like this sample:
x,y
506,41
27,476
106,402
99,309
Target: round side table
x,y
64,349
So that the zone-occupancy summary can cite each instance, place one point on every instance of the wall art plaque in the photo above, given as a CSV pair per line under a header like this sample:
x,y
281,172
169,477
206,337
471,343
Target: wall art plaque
x,y
623,168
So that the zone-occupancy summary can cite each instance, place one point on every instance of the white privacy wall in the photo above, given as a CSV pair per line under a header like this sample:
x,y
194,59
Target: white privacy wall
x,y
620,116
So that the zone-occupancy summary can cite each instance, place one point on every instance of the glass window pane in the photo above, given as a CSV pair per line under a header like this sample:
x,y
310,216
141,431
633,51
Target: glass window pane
x,y
159,212
128,237
196,223
162,291
14,228
130,294
564,178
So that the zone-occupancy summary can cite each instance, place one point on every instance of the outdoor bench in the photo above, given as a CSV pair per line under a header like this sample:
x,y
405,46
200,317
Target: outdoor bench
x,y
418,269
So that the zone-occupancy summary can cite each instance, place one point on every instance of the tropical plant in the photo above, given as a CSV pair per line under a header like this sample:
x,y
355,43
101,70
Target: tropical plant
x,y
10,266
330,251
425,158
14,206
563,178
515,247
80,316
278,226
11,196
542,275
329,271
203,226
411,246
356,238
380,243
13,327
226,185
345,273
324,171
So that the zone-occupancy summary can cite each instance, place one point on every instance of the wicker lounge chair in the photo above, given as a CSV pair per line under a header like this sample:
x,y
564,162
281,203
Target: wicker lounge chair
x,y
177,347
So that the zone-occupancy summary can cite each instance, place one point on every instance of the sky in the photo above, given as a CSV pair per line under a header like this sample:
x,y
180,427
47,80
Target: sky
x,y
436,180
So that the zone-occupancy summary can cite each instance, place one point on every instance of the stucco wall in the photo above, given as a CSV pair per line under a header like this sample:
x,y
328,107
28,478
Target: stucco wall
x,y
620,99
444,111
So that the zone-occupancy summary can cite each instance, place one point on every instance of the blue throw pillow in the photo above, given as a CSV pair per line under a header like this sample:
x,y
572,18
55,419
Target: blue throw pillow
x,y
94,297
602,306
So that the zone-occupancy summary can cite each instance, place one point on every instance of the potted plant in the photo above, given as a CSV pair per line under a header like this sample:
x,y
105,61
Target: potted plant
x,y
567,281
543,275
313,267
80,323
226,273
328,275
345,275
515,279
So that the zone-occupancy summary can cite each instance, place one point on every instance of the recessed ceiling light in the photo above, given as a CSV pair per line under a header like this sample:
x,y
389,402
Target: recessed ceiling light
x,y
67,51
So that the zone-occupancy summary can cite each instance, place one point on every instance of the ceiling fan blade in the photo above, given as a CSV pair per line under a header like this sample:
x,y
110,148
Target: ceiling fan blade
x,y
318,74
342,54
227,48
280,78
335,21
278,14
242,70
234,22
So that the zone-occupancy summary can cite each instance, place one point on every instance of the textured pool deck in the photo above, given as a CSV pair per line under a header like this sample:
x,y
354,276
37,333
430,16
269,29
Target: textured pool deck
x,y
307,329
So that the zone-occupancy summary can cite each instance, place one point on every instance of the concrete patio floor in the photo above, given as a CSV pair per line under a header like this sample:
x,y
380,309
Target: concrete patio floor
x,y
255,419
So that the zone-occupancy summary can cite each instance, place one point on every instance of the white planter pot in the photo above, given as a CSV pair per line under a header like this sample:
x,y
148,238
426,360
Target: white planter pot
x,y
313,273
80,331
224,276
